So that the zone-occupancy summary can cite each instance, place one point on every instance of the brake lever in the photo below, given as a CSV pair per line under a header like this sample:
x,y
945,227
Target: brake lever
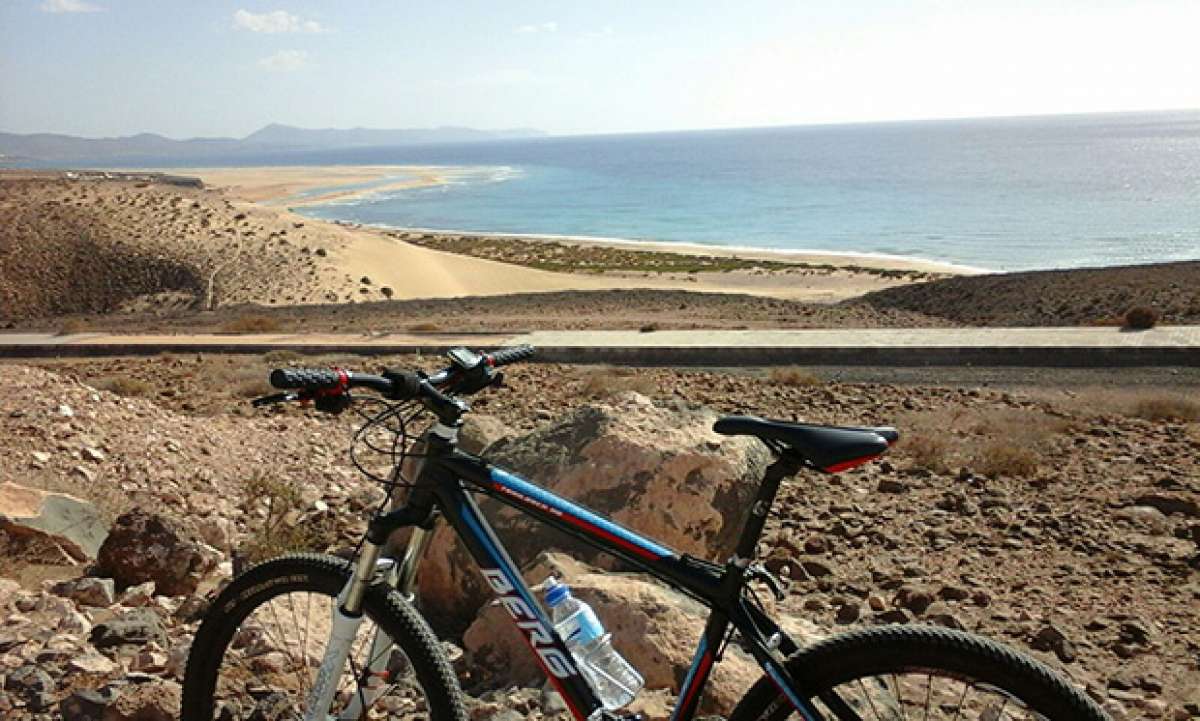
x,y
273,399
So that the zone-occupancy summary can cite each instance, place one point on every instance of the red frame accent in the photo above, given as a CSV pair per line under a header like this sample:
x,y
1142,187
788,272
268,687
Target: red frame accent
x,y
699,679
839,467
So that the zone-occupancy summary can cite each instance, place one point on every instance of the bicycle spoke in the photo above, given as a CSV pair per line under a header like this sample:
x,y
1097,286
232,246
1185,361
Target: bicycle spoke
x,y
899,698
928,694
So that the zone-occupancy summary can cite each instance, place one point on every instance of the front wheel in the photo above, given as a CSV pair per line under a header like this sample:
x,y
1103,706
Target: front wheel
x,y
257,653
919,673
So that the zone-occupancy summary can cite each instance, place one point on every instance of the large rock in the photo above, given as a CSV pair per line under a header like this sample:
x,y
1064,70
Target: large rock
x,y
144,547
68,528
658,469
653,626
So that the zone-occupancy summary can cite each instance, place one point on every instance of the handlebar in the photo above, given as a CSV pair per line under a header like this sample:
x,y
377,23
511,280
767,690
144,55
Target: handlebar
x,y
468,373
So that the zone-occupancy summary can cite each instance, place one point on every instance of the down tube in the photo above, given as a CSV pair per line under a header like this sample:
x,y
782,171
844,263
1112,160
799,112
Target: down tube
x,y
510,588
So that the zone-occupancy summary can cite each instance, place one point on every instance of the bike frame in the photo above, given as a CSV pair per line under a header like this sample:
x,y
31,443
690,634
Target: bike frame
x,y
446,477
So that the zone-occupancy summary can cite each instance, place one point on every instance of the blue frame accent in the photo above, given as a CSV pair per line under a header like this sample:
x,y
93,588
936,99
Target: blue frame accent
x,y
541,495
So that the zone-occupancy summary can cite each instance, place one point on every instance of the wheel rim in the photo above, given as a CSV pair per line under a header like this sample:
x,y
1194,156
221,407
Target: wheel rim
x,y
272,658
914,695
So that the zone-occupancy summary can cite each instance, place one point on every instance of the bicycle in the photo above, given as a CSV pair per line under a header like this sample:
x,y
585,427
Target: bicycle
x,y
342,669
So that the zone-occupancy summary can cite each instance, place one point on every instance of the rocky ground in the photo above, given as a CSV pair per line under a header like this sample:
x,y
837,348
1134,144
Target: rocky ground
x,y
1065,524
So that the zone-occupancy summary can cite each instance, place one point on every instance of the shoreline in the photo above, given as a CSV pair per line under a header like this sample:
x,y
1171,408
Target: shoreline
x,y
280,187
843,259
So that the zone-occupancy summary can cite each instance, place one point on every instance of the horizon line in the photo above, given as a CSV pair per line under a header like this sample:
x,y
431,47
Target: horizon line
x,y
582,134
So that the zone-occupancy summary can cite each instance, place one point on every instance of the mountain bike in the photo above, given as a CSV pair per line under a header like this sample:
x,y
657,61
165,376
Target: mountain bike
x,y
317,637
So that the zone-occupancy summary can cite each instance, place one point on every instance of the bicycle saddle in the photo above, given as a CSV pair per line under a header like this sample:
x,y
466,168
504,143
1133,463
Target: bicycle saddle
x,y
830,448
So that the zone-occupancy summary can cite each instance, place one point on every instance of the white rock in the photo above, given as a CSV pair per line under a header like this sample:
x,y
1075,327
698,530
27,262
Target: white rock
x,y
41,456
65,411
74,622
140,595
91,662
92,454
177,658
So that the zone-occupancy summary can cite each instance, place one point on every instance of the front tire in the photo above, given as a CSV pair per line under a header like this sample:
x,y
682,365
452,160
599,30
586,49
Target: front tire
x,y
920,672
258,648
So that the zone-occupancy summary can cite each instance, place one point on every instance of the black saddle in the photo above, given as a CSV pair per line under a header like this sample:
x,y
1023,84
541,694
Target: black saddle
x,y
830,448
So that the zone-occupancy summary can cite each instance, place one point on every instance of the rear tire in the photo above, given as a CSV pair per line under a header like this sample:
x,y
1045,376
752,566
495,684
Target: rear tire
x,y
877,672
221,657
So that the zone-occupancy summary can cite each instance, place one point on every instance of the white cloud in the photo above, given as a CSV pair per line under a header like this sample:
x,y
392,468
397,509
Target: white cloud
x,y
547,27
603,32
69,6
276,21
284,61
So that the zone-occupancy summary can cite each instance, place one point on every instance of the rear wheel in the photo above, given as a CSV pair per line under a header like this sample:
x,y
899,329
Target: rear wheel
x,y
919,673
257,652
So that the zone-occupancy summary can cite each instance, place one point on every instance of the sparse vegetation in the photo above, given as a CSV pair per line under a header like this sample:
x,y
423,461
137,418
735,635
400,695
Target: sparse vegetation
x,y
927,451
124,385
1167,408
282,357
648,328
256,323
279,504
569,258
71,326
1005,458
611,381
423,328
1141,318
795,376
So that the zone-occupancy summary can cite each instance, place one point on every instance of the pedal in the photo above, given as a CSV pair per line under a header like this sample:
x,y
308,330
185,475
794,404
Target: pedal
x,y
758,572
610,716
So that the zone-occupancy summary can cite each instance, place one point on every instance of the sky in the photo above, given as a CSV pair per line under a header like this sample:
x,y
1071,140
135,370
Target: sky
x,y
184,69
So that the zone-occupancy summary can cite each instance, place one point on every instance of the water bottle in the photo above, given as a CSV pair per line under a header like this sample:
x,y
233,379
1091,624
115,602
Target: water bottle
x,y
611,677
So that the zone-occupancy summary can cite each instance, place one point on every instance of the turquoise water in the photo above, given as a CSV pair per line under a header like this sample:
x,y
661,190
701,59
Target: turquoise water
x,y
1002,194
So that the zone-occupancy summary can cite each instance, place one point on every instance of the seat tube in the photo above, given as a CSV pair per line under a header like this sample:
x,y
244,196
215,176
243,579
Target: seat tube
x,y
782,468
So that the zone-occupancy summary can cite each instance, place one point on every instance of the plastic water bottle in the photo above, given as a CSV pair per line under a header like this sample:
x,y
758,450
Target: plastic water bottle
x,y
615,682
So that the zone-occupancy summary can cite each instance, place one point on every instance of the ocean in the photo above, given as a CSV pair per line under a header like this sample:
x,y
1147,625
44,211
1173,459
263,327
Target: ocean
x,y
999,194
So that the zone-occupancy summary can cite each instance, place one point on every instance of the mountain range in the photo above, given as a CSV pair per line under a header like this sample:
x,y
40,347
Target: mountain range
x,y
50,148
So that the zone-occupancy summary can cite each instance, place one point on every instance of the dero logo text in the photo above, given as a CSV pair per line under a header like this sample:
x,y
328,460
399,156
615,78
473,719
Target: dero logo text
x,y
539,638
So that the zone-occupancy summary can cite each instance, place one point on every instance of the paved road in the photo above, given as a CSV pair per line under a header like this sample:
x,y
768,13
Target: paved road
x,y
1076,347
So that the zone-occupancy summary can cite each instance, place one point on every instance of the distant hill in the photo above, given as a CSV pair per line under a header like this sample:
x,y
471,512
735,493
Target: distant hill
x,y
1081,296
49,148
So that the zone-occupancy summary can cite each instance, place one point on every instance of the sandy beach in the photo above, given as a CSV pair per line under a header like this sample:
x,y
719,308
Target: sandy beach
x,y
390,258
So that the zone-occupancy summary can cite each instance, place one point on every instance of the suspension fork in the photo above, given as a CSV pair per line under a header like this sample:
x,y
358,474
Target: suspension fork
x,y
347,618
402,576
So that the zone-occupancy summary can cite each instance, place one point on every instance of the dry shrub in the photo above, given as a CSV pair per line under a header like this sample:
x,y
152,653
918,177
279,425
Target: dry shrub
x,y
927,451
648,328
279,532
794,376
239,380
71,326
423,328
281,357
1005,458
611,381
1167,408
124,385
1141,318
252,324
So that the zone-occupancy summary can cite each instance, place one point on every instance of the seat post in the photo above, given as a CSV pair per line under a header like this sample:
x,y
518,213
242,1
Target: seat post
x,y
784,467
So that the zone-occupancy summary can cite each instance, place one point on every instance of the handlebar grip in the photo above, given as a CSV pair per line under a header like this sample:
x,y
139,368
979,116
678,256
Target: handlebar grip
x,y
305,378
511,355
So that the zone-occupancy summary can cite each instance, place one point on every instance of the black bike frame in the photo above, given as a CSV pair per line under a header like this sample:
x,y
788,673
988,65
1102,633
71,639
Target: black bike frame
x,y
449,476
